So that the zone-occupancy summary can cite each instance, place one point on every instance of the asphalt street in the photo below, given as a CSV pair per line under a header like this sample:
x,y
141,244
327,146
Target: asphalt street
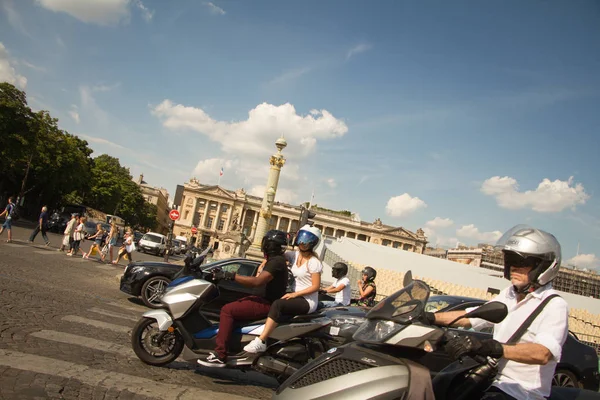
x,y
64,334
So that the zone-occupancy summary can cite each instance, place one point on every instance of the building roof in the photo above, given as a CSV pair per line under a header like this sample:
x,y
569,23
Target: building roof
x,y
377,256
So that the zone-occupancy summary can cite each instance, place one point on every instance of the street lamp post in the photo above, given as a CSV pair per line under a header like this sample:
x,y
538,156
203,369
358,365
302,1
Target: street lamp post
x,y
277,161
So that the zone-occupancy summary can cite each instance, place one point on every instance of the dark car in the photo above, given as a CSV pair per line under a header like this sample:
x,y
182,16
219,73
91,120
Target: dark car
x,y
148,280
578,366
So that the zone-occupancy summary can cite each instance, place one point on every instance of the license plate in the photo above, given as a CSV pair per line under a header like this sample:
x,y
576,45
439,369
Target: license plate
x,y
334,330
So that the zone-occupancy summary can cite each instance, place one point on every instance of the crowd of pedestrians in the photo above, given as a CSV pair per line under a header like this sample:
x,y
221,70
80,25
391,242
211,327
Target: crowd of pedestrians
x,y
103,242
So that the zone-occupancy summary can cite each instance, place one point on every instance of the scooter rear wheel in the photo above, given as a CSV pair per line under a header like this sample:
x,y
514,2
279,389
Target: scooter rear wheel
x,y
155,347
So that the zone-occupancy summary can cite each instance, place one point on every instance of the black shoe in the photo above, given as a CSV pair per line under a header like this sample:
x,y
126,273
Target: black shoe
x,y
212,361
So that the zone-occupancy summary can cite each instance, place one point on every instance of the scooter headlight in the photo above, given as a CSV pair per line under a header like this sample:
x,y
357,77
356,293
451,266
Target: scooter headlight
x,y
376,330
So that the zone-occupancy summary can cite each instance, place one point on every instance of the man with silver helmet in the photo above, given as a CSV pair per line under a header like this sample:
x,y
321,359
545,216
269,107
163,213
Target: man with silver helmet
x,y
531,261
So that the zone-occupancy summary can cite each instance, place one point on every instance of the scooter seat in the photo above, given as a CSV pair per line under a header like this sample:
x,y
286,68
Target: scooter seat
x,y
301,317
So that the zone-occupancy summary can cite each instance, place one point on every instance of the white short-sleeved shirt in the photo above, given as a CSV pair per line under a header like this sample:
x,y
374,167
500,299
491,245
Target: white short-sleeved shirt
x,y
344,295
550,329
303,276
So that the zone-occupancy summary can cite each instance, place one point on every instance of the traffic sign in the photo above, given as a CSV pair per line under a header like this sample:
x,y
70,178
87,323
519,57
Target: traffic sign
x,y
194,230
174,215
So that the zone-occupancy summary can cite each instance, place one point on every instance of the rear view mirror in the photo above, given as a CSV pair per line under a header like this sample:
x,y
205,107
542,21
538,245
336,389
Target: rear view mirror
x,y
493,311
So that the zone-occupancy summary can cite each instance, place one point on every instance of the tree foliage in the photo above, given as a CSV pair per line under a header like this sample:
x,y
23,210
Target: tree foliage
x,y
46,165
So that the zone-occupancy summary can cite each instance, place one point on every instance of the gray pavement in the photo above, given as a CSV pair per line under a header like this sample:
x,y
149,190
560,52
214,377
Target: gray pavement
x,y
64,334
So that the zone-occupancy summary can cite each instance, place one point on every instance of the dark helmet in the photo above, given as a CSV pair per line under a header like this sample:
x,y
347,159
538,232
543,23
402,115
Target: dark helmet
x,y
339,270
370,273
274,243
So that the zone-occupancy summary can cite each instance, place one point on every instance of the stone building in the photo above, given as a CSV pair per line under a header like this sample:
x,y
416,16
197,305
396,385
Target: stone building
x,y
215,211
160,198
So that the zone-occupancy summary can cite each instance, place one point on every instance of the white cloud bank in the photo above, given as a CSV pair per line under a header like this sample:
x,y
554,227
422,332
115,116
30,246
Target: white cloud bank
x,y
584,261
359,48
472,232
403,205
214,9
549,196
255,136
438,222
100,12
8,72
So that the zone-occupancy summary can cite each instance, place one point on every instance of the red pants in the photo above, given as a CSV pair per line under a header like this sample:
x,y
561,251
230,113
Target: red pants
x,y
246,309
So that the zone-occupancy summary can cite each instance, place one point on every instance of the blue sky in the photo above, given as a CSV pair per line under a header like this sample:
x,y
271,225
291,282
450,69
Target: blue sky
x,y
463,118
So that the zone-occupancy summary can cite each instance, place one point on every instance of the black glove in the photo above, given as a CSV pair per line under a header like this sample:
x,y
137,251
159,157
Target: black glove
x,y
461,346
219,275
428,318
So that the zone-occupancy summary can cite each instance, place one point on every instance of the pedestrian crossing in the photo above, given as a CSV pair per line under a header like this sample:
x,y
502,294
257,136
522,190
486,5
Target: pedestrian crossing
x,y
91,345
124,317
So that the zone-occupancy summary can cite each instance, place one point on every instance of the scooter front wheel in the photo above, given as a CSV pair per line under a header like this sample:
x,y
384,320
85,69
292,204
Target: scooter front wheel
x,y
155,347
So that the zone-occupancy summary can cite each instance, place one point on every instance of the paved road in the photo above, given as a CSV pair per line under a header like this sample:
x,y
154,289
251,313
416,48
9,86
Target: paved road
x,y
64,334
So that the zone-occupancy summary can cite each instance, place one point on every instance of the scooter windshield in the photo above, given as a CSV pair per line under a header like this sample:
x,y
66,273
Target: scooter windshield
x,y
394,313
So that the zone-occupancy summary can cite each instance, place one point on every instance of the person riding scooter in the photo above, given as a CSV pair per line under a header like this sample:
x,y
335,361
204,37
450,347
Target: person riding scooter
x,y
341,287
272,273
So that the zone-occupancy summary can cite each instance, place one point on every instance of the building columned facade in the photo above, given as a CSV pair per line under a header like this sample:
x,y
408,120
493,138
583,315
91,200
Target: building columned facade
x,y
214,211
160,198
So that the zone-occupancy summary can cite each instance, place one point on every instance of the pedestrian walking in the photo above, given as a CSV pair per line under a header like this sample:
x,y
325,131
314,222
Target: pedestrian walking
x,y
78,236
98,236
127,248
113,235
42,226
8,213
67,241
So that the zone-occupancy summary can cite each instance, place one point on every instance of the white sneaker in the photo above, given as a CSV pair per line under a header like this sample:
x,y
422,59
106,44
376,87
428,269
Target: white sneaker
x,y
255,346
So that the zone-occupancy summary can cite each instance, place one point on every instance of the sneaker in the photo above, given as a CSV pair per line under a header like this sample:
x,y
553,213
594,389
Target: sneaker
x,y
212,361
47,243
256,346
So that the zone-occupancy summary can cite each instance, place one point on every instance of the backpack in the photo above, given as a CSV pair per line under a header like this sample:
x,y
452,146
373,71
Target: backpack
x,y
14,212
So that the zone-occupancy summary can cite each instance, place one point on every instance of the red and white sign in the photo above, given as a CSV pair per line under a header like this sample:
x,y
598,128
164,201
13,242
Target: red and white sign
x,y
194,230
174,215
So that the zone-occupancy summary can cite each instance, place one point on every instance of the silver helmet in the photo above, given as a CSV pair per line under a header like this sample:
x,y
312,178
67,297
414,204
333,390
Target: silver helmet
x,y
528,246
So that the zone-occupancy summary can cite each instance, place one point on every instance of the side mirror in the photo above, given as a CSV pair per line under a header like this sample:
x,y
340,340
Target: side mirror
x,y
494,312
407,278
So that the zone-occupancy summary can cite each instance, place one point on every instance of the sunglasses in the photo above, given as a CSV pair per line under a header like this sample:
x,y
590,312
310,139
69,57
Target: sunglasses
x,y
517,261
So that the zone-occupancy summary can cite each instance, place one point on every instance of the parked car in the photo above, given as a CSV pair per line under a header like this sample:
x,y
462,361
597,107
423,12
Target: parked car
x,y
137,235
578,366
154,243
175,246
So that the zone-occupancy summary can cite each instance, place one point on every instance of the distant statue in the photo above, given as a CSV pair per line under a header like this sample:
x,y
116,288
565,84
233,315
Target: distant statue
x,y
234,226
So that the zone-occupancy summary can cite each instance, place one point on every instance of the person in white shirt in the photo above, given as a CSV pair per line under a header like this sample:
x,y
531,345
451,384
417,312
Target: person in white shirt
x,y
525,369
306,268
341,287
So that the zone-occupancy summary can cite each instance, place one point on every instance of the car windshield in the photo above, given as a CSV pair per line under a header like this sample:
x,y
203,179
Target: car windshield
x,y
90,224
152,238
175,242
72,209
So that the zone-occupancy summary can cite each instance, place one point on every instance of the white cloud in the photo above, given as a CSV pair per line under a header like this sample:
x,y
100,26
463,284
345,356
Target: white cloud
x,y
100,12
105,88
331,182
472,232
14,18
403,205
89,105
208,170
290,75
147,14
256,135
549,196
93,139
283,195
7,71
584,261
360,48
33,66
438,222
74,113
215,9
